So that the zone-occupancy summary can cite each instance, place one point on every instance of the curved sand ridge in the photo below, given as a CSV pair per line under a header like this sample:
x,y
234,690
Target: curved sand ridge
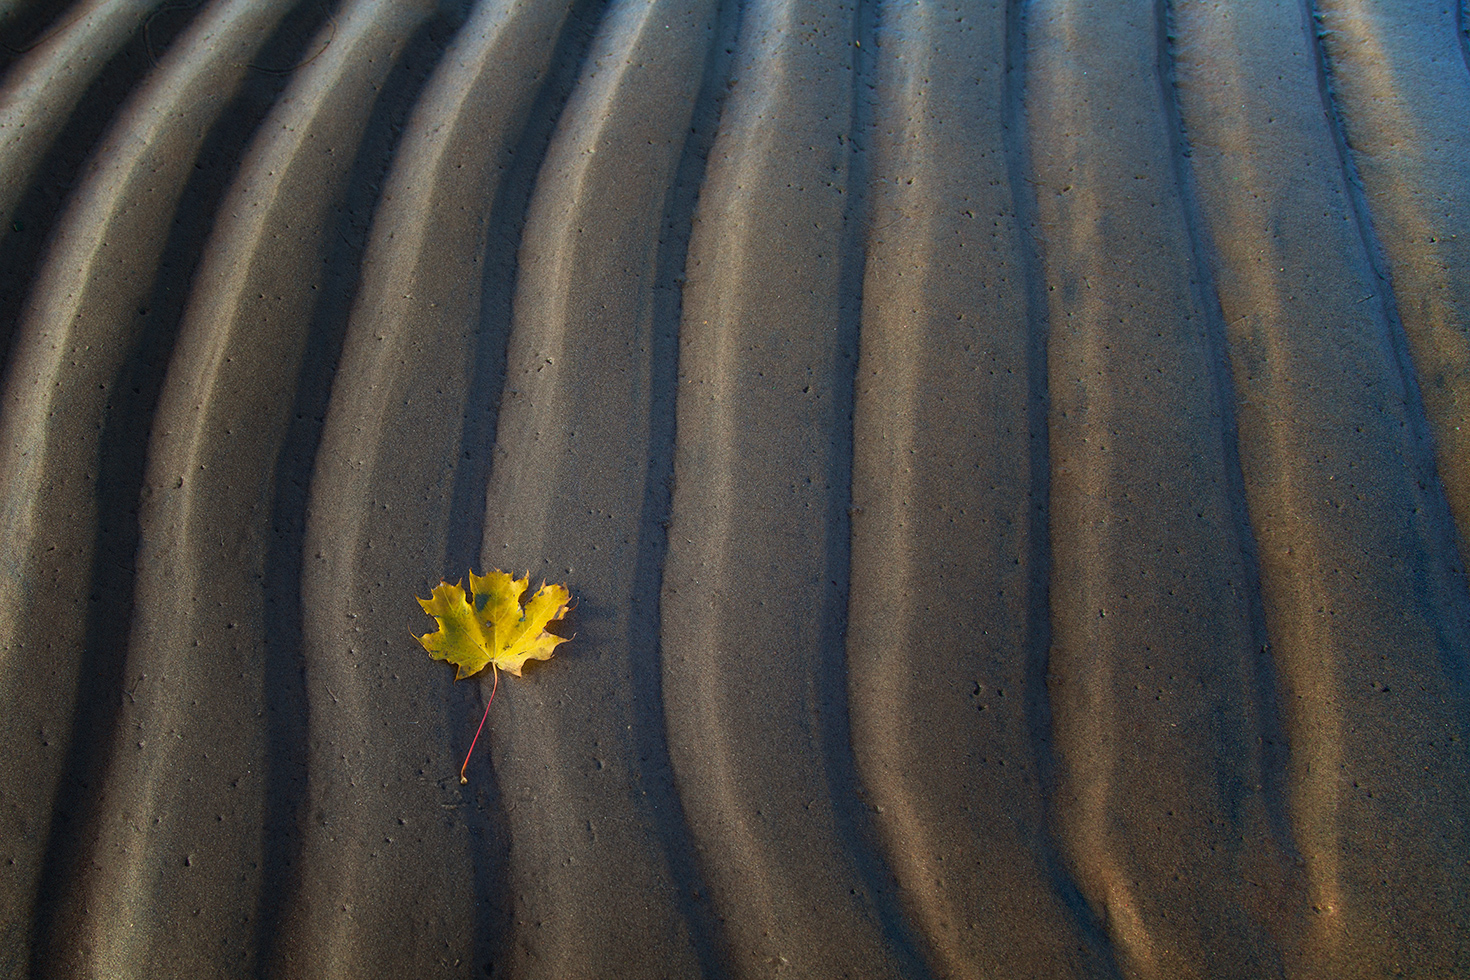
x,y
1009,458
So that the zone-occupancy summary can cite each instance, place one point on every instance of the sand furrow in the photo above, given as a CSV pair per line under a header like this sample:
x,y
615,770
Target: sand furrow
x,y
425,341
755,580
43,86
942,629
58,94
580,452
203,634
1462,31
1153,668
81,385
1395,78
1266,714
1364,615
139,173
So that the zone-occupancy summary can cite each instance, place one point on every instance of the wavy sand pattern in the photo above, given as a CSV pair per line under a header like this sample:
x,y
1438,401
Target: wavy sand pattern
x,y
1011,459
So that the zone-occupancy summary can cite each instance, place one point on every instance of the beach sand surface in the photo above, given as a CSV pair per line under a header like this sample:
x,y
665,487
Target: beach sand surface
x,y
1011,461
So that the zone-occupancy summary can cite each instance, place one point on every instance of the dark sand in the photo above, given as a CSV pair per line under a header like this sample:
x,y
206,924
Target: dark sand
x,y
1012,460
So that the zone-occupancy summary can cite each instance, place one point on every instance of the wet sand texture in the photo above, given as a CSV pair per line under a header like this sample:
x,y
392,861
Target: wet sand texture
x,y
1010,458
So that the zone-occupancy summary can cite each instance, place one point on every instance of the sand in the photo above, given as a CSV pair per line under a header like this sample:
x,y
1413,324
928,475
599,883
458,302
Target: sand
x,y
1012,461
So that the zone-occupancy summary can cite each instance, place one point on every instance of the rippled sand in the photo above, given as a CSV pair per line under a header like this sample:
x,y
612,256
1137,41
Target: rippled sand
x,y
1012,461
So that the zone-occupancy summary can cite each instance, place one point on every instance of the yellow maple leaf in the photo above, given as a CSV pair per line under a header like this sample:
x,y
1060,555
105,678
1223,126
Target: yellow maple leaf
x,y
494,629
489,628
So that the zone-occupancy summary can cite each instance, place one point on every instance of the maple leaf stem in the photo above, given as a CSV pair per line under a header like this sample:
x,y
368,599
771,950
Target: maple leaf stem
x,y
495,685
